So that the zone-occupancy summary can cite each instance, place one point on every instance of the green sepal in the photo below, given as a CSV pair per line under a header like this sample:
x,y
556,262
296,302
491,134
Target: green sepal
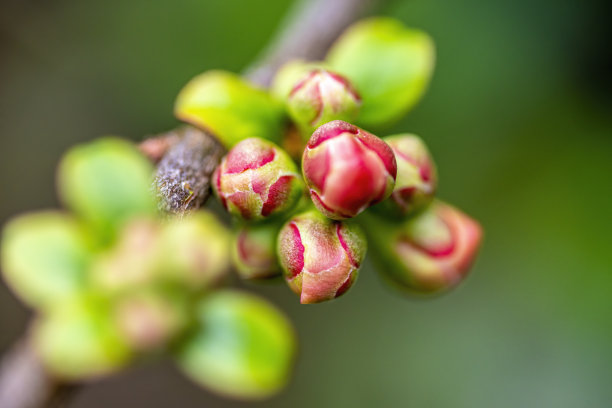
x,y
243,346
45,257
390,65
230,108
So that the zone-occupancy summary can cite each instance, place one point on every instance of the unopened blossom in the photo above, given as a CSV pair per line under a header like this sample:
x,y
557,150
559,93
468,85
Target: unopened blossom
x,y
256,180
320,257
254,251
347,169
417,179
431,252
322,96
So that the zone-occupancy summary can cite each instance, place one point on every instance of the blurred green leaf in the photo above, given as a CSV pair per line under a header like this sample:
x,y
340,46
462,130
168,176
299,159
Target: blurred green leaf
x,y
44,257
389,64
107,182
230,108
76,339
243,347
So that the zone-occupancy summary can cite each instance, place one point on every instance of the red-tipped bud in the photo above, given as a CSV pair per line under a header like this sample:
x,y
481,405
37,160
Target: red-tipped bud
x,y
417,178
347,169
254,251
256,180
321,96
431,252
320,257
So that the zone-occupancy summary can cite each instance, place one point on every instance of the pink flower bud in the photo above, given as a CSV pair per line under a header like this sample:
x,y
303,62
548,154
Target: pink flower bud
x,y
254,251
319,97
320,257
431,252
256,180
417,179
347,169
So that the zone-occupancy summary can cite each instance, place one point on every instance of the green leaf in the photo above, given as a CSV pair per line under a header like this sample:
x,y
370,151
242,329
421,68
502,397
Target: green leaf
x,y
107,182
44,257
76,340
389,64
244,347
230,108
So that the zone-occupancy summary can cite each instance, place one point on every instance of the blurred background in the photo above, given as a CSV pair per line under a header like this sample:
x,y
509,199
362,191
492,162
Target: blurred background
x,y
518,118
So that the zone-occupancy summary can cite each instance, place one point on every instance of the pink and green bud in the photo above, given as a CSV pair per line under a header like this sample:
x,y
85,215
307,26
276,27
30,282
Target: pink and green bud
x,y
254,251
347,169
416,182
257,180
320,257
289,74
320,97
429,253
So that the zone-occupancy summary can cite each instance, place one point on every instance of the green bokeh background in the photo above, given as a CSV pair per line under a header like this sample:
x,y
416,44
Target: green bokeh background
x,y
518,117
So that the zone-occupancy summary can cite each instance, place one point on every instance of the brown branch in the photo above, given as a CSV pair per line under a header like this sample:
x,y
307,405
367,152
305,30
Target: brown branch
x,y
187,158
184,173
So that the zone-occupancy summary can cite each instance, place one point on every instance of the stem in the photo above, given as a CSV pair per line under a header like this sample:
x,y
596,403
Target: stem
x,y
187,157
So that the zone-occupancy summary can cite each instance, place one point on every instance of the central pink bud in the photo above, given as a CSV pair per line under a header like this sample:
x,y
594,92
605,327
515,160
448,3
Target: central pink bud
x,y
256,180
320,257
347,169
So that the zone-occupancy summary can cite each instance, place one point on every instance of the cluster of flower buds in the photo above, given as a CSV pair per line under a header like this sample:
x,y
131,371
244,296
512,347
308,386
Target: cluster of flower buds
x,y
346,170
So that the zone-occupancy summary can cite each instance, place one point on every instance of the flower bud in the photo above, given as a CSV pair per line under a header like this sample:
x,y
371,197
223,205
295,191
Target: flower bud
x,y
319,97
347,169
320,257
230,108
134,259
256,180
149,319
254,251
416,181
196,251
289,74
428,253
389,64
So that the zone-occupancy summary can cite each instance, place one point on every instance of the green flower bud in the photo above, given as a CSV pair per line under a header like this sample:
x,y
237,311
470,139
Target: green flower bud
x,y
150,319
244,347
417,179
389,64
77,340
254,251
133,261
289,74
45,257
320,97
230,108
257,180
320,257
196,251
107,182
428,253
